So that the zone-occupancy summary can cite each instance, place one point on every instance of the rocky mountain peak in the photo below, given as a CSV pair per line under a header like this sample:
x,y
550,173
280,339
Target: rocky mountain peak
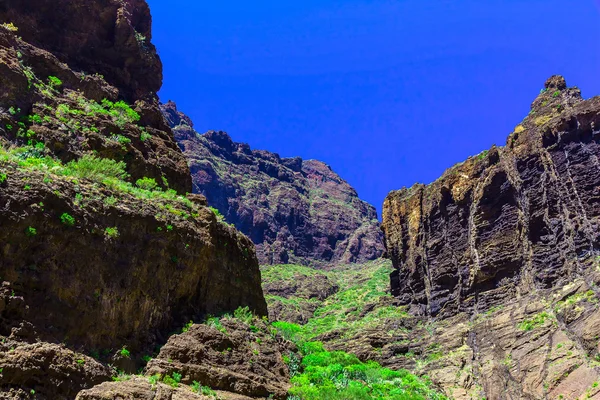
x,y
294,210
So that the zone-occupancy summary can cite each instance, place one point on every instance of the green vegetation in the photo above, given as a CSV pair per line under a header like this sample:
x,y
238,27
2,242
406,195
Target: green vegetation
x,y
220,216
203,390
215,322
187,327
54,82
95,168
572,300
125,353
154,379
360,287
67,219
3,177
243,314
111,233
144,135
534,322
30,231
108,173
338,375
146,183
172,380
9,26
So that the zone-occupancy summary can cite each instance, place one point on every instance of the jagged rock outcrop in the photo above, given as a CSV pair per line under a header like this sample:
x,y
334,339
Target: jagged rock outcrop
x,y
101,250
238,359
294,210
230,356
502,251
93,52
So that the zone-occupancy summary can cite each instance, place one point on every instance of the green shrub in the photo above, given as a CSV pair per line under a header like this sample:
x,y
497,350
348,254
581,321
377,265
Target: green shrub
x,y
339,375
144,135
54,82
30,231
288,330
67,219
111,233
243,314
172,380
96,168
220,216
536,321
125,353
146,183
215,322
9,26
3,177
187,327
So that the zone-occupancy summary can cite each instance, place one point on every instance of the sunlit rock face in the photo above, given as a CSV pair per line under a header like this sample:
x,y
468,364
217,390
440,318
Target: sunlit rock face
x,y
511,232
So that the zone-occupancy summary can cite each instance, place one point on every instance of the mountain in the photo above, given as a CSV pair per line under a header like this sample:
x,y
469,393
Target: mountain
x,y
294,210
501,257
103,254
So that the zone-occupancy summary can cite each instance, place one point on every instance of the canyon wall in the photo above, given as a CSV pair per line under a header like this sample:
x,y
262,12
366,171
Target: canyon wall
x,y
503,251
294,210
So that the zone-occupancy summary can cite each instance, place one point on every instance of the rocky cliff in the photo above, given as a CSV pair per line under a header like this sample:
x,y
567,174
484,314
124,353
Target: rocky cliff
x,y
500,257
294,210
102,251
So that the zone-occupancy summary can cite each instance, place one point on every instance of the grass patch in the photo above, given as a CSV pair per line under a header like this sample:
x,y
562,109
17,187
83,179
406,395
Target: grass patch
x,y
535,322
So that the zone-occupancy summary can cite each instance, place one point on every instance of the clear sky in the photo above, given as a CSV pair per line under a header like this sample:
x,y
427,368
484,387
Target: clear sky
x,y
388,93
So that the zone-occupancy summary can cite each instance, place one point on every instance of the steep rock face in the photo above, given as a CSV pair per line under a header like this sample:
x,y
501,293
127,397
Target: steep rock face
x,y
101,249
524,215
294,210
97,53
170,261
499,249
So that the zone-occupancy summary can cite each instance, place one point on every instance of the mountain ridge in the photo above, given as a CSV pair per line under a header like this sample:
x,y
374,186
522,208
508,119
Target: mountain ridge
x,y
294,210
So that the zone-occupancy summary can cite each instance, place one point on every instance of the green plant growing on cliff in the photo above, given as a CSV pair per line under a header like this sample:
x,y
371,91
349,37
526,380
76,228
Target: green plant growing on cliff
x,y
203,390
111,233
154,379
125,353
54,82
220,216
10,27
146,183
244,314
144,135
96,168
67,219
187,327
30,231
339,375
536,321
215,322
3,177
172,380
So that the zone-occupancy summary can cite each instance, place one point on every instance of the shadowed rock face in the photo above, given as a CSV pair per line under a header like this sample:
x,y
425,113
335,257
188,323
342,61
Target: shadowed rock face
x,y
94,262
294,210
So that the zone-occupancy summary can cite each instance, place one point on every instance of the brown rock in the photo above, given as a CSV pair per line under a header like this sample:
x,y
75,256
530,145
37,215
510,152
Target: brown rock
x,y
27,369
83,287
294,210
524,214
238,358
499,258
139,389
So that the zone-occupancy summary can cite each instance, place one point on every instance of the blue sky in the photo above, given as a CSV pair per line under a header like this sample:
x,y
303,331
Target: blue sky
x,y
388,93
